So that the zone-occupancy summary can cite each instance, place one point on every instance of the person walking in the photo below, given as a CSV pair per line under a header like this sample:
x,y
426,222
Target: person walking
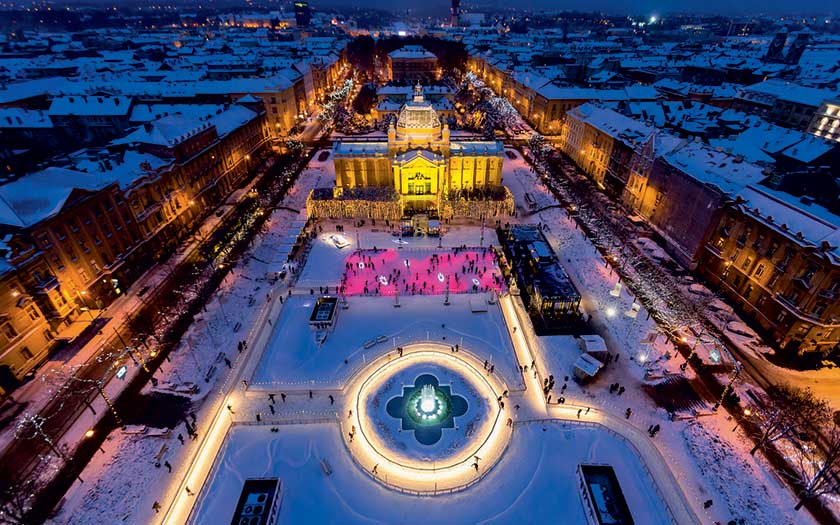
x,y
628,413
332,399
578,413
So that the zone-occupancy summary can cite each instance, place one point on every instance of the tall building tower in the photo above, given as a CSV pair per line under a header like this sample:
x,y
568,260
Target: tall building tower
x,y
455,13
777,47
795,50
302,14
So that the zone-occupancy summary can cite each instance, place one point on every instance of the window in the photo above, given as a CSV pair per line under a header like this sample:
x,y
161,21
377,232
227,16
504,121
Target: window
x,y
747,263
45,241
9,331
32,312
818,310
26,354
48,335
759,271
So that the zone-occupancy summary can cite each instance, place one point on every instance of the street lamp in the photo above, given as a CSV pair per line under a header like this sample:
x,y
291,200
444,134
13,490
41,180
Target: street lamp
x,y
84,307
747,413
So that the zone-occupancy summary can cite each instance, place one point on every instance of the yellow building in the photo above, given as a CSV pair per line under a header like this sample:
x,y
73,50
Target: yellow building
x,y
419,167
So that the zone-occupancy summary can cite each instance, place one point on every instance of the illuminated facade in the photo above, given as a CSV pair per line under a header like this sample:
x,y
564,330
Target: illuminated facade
x,y
420,164
826,122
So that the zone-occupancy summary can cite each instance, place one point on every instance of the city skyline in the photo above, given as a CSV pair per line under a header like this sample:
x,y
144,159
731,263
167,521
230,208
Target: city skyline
x,y
455,263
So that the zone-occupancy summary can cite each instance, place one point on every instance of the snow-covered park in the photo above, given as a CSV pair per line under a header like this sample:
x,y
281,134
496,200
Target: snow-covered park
x,y
289,405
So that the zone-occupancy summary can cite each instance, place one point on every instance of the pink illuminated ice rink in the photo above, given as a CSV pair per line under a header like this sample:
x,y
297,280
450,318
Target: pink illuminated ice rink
x,y
421,273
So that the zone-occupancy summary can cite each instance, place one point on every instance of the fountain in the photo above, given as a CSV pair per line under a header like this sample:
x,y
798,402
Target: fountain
x,y
427,399
426,407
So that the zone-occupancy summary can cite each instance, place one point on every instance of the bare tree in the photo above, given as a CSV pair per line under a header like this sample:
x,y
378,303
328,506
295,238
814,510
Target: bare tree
x,y
16,499
816,468
31,426
785,408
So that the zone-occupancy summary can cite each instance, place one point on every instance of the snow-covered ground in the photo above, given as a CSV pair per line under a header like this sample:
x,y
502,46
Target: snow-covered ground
x,y
535,479
643,363
534,482
132,478
295,359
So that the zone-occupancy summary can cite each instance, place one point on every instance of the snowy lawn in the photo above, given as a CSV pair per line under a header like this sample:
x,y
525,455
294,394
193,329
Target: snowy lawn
x,y
535,481
294,357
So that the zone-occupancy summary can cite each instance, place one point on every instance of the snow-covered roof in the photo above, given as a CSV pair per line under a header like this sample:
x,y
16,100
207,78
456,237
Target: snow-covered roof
x,y
772,89
232,118
342,147
728,173
477,147
150,112
635,92
39,196
764,141
790,215
167,131
11,118
83,105
411,52
612,123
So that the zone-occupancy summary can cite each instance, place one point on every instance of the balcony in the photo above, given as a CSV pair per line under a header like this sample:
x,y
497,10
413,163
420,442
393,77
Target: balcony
x,y
803,283
831,295
50,283
148,211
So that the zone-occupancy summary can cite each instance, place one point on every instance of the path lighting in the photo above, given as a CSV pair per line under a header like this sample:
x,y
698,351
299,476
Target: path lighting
x,y
747,413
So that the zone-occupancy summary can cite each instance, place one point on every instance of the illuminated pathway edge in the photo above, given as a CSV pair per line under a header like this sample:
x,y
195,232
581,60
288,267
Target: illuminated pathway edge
x,y
425,477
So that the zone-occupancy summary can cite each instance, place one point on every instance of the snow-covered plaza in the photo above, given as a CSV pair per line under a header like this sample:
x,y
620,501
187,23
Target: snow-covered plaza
x,y
321,406
323,429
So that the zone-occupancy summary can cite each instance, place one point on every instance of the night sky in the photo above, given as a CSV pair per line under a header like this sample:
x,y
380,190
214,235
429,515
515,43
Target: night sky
x,y
619,6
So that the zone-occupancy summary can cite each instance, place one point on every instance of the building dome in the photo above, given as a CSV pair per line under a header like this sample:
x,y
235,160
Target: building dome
x,y
417,114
